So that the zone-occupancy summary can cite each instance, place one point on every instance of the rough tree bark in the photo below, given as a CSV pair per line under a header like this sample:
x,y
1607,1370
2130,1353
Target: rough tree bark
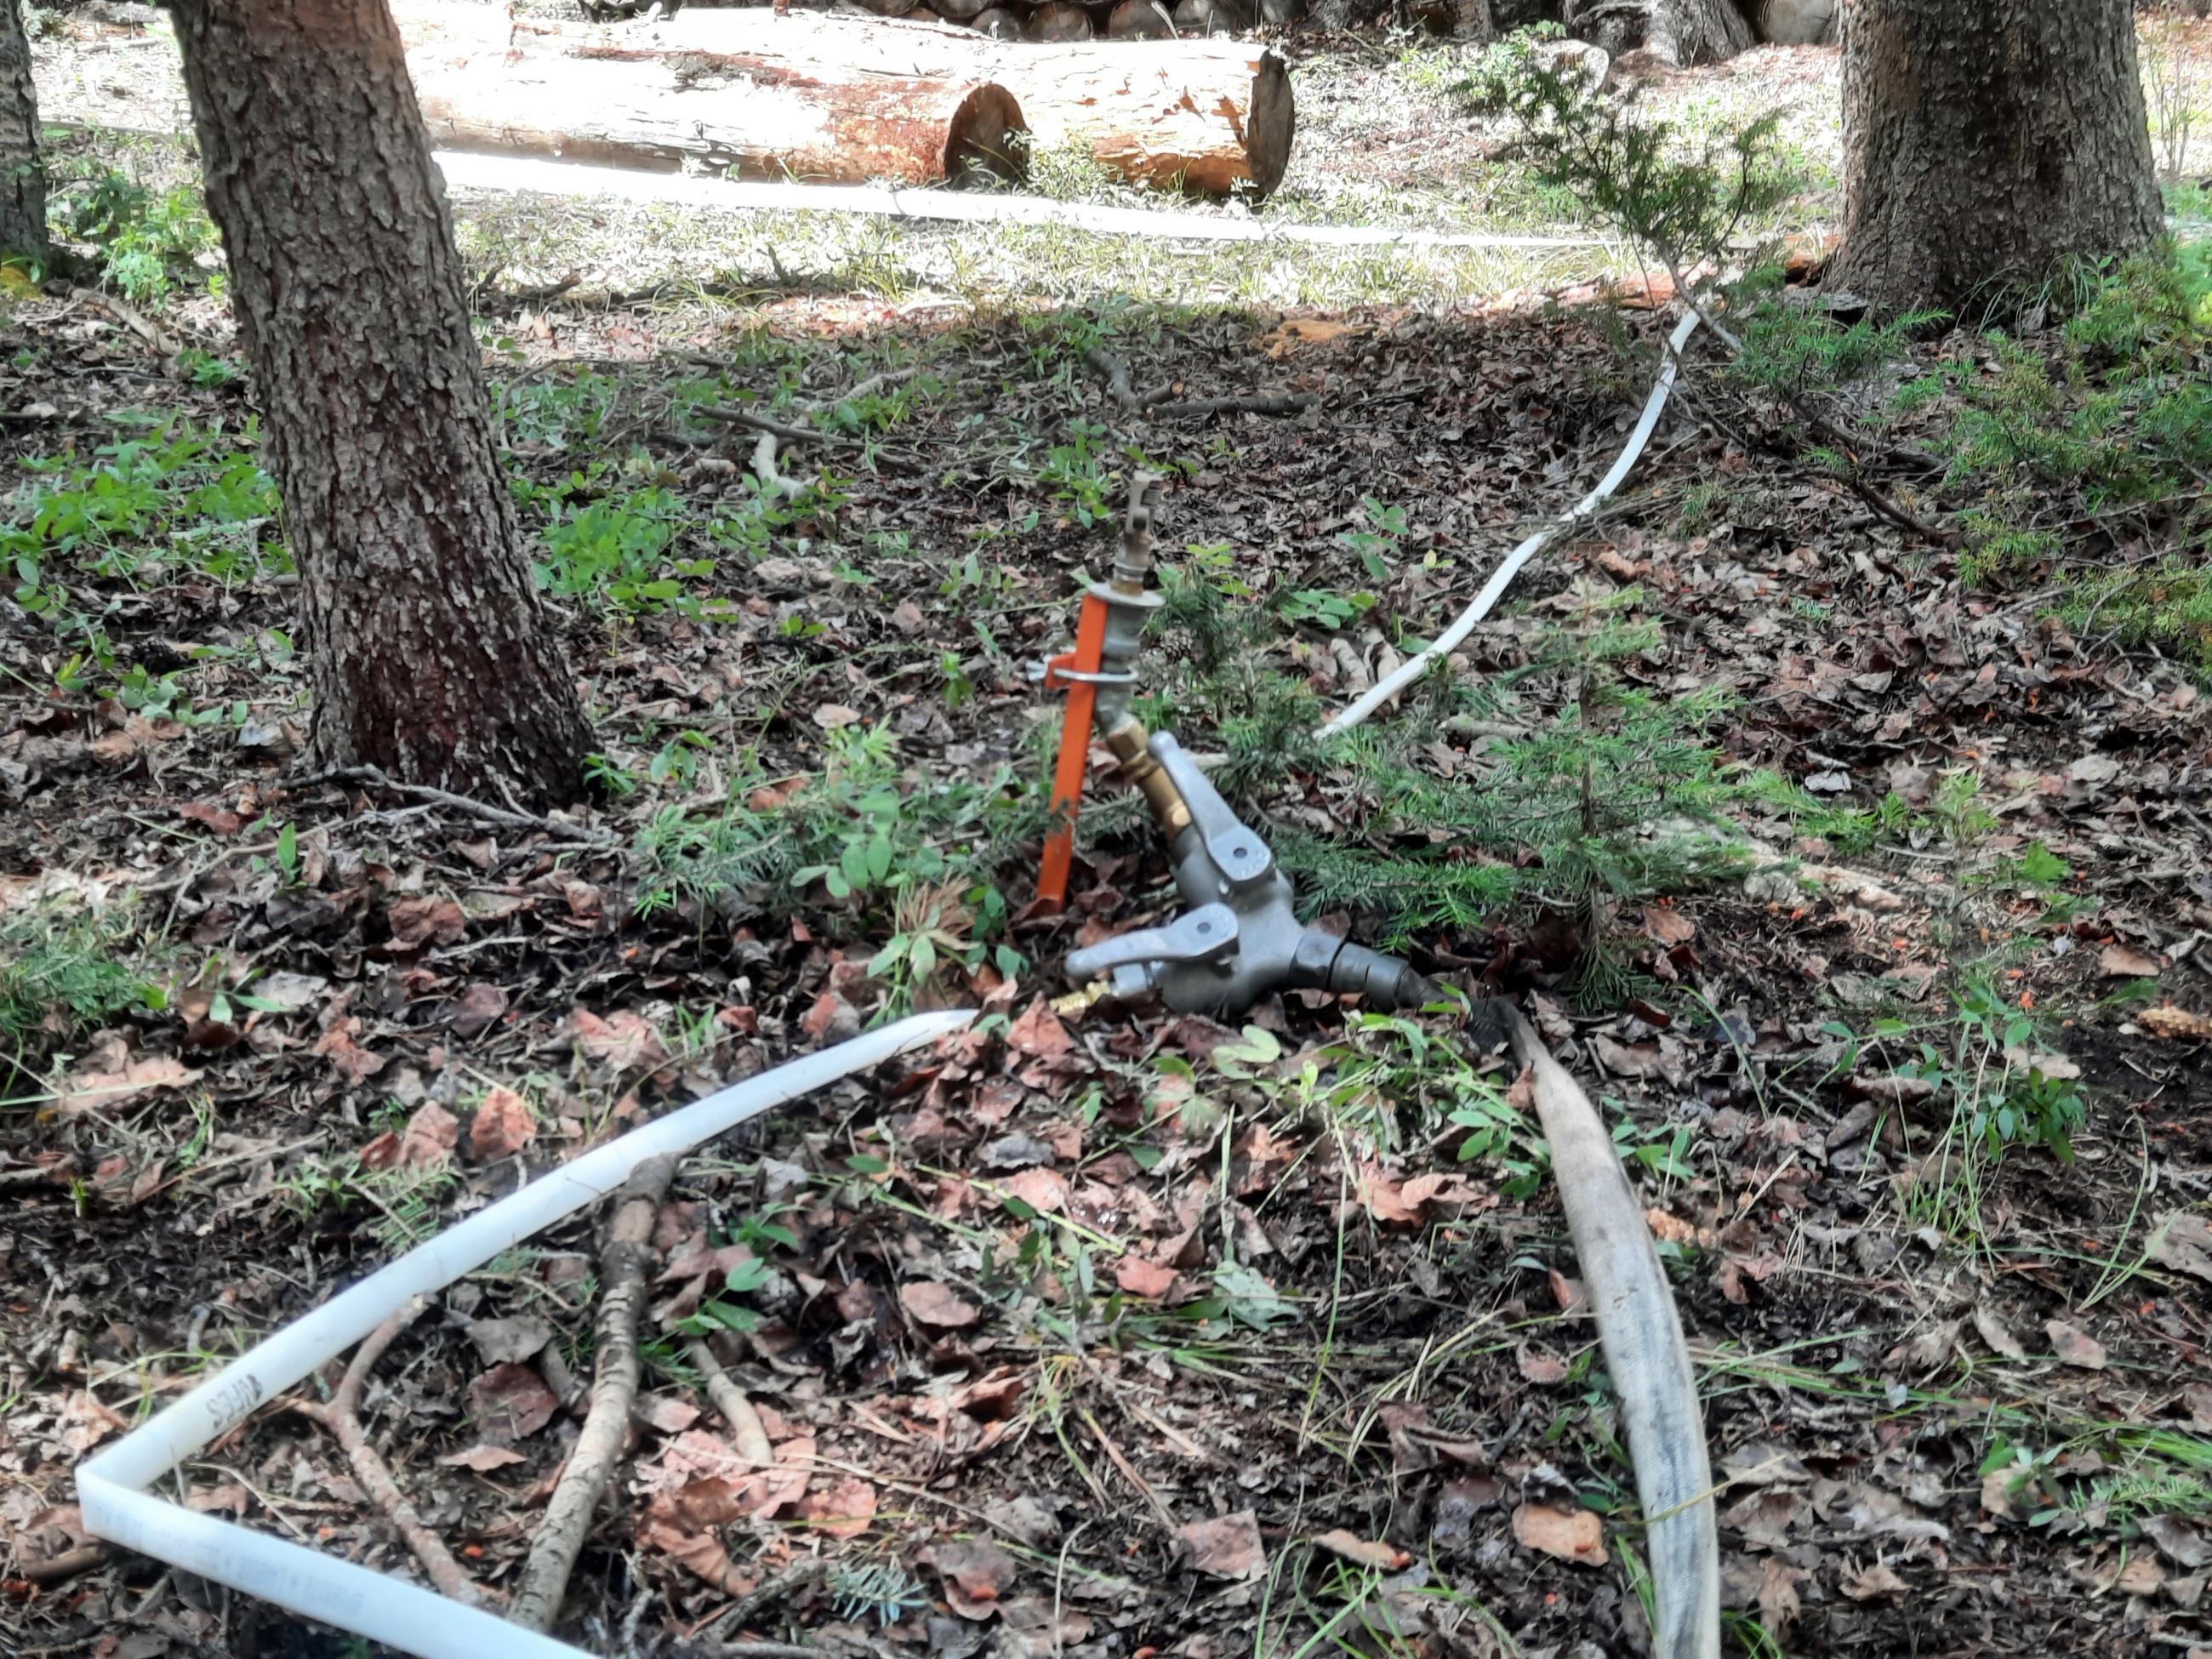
x,y
1676,31
1983,142
1699,31
430,655
22,174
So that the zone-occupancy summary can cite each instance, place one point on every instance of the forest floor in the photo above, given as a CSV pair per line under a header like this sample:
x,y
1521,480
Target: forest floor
x,y
1860,870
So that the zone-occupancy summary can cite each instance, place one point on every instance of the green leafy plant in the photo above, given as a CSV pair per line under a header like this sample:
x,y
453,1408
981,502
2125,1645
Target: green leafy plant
x,y
717,1313
622,550
1077,474
147,240
63,969
1684,202
881,845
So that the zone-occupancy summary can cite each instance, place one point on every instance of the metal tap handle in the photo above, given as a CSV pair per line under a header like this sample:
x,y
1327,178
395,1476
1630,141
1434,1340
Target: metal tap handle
x,y
1240,855
1206,934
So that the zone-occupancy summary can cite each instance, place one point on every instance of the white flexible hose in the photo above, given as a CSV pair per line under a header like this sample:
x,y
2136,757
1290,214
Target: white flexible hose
x,y
467,170
1418,665
1644,1354
111,1487
1637,1320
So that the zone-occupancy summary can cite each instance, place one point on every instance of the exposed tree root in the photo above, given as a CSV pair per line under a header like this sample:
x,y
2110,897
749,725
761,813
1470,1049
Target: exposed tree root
x,y
507,817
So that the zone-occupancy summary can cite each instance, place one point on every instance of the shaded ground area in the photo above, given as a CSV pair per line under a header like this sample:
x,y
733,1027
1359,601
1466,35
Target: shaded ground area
x,y
1824,865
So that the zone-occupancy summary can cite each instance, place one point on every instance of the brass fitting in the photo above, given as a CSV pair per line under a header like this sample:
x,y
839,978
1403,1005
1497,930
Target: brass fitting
x,y
1129,743
1083,1001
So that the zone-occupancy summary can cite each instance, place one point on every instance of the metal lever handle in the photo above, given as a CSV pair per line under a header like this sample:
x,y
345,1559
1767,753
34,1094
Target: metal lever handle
x,y
1240,855
1205,935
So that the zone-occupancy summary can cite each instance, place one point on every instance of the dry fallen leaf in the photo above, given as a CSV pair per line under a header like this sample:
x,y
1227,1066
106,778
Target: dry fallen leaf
x,y
938,1305
355,1063
1302,331
510,1341
1895,1087
2073,1346
1141,1277
2177,1540
502,1127
1996,1332
1384,1558
1227,1547
2183,1243
427,919
977,1575
2140,1577
1778,1602
1044,1190
622,1040
666,1412
1540,1365
845,1510
1039,1032
511,1403
1873,1584
483,1459
109,1078
2123,962
477,1008
1577,1535
430,1135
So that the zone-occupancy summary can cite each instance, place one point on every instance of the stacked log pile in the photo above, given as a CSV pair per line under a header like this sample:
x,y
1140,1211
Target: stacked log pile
x,y
1061,22
846,99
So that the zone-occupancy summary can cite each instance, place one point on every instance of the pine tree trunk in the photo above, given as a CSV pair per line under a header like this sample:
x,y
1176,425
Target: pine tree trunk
x,y
1983,142
1699,31
23,175
430,655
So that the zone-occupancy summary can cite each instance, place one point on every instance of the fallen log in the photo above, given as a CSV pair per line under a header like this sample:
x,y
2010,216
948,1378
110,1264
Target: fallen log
x,y
774,111
1210,115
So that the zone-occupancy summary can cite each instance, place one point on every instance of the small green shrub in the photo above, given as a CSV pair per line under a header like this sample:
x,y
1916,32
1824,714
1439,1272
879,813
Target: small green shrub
x,y
903,854
640,550
148,240
63,969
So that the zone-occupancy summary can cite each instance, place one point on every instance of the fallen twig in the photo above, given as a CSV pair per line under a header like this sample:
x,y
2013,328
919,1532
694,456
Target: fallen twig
x,y
341,1415
1116,372
769,1591
591,1464
1262,403
735,1407
137,324
59,1568
773,432
790,434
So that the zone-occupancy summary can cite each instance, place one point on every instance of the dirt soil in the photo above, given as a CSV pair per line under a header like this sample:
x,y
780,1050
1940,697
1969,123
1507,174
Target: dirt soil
x,y
1078,1337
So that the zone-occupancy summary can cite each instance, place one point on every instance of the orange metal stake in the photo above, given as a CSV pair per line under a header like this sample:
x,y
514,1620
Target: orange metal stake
x,y
1086,658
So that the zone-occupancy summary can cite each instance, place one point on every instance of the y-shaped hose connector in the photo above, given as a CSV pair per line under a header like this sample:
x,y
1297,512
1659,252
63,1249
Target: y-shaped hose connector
x,y
1241,938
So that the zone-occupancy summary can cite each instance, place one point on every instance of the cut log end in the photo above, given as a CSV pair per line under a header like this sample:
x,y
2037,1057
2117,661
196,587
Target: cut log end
x,y
985,139
1056,22
1141,19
